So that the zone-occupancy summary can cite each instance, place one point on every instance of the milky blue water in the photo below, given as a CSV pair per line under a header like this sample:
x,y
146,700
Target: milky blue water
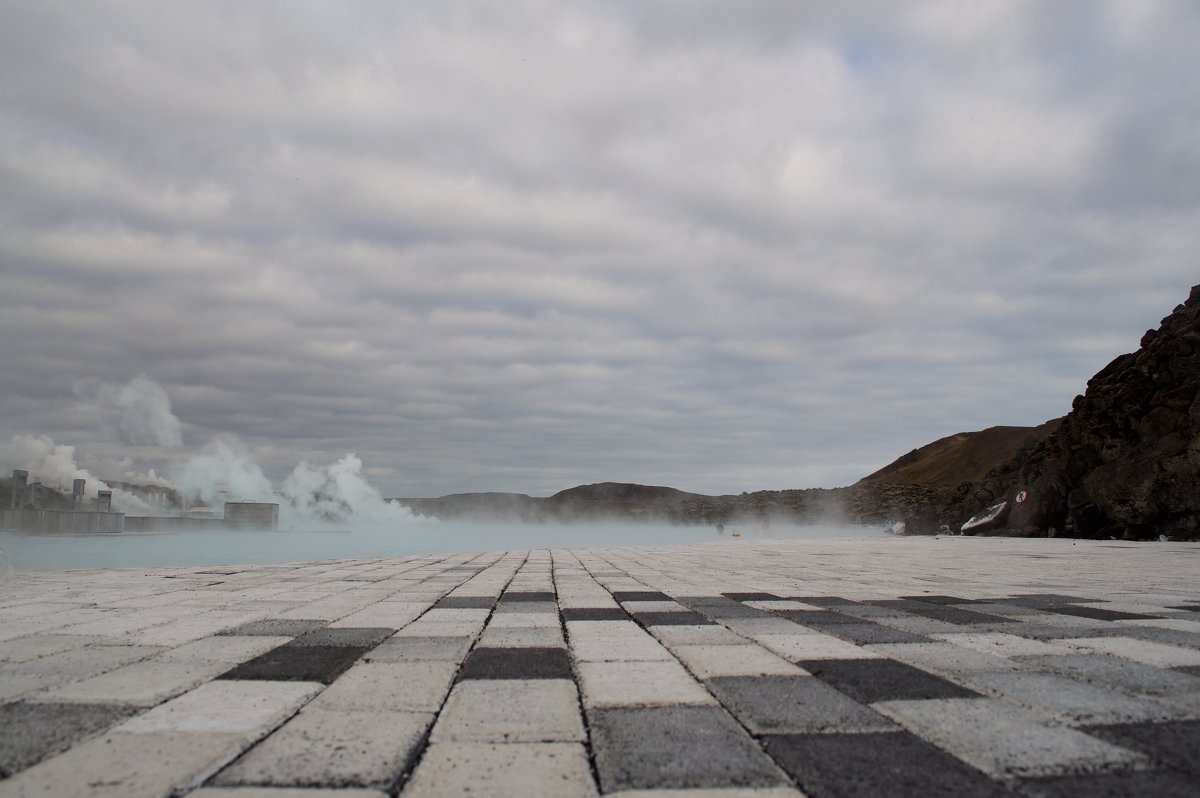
x,y
419,536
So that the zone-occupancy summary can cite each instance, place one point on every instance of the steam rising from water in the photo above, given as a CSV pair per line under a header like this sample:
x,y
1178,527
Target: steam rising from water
x,y
139,413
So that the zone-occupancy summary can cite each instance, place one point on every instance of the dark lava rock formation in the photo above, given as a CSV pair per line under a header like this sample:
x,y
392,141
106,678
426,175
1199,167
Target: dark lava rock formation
x,y
1125,462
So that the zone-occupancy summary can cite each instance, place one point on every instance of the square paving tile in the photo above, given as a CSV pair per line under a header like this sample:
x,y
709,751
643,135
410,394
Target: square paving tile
x,y
1006,741
676,748
745,659
671,618
623,684
793,704
1175,745
416,649
511,710
404,686
531,595
594,614
516,663
1101,614
864,633
473,770
289,663
324,748
345,636
871,680
281,627
640,595
751,596
819,617
879,764
31,732
465,603
1069,700
1135,784
522,637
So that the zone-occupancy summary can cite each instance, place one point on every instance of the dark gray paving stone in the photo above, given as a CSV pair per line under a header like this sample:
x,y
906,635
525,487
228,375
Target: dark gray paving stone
x,y
1044,600
1186,607
940,612
876,764
1190,670
871,680
864,632
595,614
358,637
681,618
674,748
822,601
732,610
465,603
936,599
280,627
640,595
705,601
32,732
508,607
532,595
516,663
1136,784
1174,745
751,596
810,617
793,704
1103,615
291,663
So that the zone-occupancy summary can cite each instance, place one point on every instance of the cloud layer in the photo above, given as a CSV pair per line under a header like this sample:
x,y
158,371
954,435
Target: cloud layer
x,y
522,246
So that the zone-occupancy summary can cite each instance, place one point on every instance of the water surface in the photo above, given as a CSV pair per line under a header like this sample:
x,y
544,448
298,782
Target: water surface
x,y
418,536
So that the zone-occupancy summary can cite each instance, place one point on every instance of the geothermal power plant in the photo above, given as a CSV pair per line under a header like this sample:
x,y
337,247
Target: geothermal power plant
x,y
34,507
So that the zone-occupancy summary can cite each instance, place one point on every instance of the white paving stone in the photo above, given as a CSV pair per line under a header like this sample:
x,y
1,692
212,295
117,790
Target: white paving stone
x,y
741,660
1002,740
471,770
511,710
615,684
391,686
796,647
1158,654
226,706
332,748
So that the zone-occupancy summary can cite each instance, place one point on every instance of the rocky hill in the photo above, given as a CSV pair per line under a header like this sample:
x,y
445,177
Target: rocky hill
x,y
964,457
1125,462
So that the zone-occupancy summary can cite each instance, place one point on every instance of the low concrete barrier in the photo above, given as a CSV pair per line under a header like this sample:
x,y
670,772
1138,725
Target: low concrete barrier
x,y
170,523
61,521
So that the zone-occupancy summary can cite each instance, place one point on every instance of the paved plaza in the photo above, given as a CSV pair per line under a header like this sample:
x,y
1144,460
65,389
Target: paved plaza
x,y
889,666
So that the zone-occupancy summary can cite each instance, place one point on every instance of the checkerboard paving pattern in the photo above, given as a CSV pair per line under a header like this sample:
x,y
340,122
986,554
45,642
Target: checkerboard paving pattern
x,y
919,666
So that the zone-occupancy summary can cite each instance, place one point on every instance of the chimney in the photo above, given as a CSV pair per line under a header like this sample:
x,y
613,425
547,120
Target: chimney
x,y
77,494
104,501
17,495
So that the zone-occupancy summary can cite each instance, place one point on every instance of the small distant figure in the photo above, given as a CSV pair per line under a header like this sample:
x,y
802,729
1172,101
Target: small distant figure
x,y
720,529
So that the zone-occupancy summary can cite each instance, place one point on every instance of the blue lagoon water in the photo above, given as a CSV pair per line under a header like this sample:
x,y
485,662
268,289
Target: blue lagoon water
x,y
417,536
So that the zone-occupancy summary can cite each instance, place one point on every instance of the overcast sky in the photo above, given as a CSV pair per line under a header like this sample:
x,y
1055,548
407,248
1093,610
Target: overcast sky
x,y
528,245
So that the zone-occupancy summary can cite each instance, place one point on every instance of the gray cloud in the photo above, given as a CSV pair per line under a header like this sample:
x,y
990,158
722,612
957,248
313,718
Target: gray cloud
x,y
524,246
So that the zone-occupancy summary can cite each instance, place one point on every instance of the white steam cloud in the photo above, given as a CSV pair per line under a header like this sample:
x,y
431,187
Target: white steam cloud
x,y
145,412
312,496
